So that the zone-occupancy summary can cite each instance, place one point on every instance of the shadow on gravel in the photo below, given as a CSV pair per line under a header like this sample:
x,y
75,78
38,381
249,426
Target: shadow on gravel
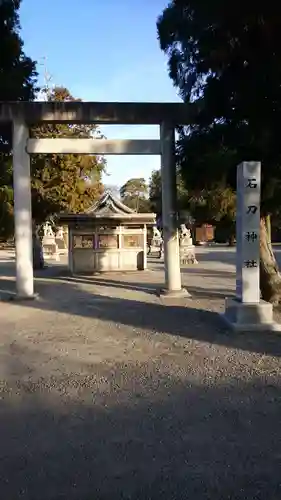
x,y
212,273
186,320
228,256
220,256
151,288
138,437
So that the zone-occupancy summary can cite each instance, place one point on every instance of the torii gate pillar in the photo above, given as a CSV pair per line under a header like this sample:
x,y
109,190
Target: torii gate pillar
x,y
22,212
173,286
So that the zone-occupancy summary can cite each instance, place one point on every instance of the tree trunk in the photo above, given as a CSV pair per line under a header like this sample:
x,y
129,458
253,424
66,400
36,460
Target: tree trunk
x,y
231,240
270,279
268,226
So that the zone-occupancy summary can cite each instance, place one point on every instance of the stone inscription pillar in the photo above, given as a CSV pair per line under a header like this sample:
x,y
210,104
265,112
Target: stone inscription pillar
x,y
248,232
247,312
22,212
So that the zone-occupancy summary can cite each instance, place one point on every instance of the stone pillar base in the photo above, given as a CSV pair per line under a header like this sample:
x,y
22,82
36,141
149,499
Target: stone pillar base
x,y
174,294
245,317
22,298
187,254
54,256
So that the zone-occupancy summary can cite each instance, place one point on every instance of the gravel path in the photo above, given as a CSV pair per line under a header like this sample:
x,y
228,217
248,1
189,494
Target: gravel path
x,y
107,392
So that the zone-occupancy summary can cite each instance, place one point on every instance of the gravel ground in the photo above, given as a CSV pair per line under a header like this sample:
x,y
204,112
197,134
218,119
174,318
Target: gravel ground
x,y
108,392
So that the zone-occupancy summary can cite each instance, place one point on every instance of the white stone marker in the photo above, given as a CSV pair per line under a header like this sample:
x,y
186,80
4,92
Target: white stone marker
x,y
247,312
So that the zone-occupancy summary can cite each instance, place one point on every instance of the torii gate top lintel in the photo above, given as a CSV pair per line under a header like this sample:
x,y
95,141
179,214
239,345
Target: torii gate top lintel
x,y
119,113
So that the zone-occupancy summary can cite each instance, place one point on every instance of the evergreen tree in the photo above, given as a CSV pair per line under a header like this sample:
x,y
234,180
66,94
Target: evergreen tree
x,y
227,57
17,83
65,182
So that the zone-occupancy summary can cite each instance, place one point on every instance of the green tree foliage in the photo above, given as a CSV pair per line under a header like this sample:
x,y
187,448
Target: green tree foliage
x,y
65,182
155,193
18,72
220,210
226,57
17,83
6,198
134,194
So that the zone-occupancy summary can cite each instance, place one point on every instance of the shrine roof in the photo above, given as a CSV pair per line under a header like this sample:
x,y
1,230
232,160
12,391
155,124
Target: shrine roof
x,y
109,205
109,209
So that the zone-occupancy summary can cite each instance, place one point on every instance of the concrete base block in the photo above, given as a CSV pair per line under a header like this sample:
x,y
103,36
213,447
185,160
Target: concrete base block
x,y
24,298
174,294
15,297
245,317
48,256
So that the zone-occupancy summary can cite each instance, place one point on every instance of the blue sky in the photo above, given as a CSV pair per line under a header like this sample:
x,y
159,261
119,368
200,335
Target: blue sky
x,y
103,51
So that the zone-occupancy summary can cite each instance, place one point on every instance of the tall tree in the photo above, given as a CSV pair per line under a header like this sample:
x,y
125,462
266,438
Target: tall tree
x,y
65,182
227,58
17,83
155,193
134,194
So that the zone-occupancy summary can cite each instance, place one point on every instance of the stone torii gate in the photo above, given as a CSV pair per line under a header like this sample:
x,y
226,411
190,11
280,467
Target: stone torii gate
x,y
23,115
